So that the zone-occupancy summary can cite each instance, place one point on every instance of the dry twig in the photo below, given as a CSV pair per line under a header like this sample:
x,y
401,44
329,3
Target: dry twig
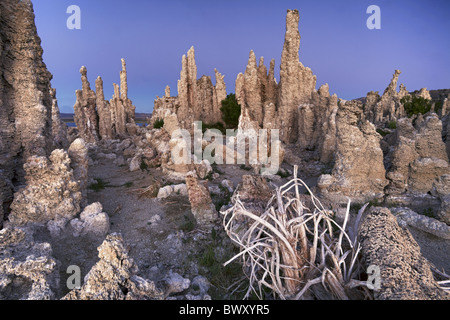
x,y
290,248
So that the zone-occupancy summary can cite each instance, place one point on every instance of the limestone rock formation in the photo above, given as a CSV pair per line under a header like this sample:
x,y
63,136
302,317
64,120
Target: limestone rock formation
x,y
86,117
252,91
418,161
51,196
205,101
424,93
198,99
297,82
358,171
78,153
114,276
446,132
254,192
406,216
59,128
122,108
202,206
93,221
105,125
27,269
220,94
26,112
99,119
388,107
405,273
256,91
317,125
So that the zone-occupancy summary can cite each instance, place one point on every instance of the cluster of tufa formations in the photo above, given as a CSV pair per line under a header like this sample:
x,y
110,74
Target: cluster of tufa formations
x,y
97,118
109,197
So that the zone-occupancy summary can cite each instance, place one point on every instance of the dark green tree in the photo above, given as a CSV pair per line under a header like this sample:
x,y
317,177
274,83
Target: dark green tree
x,y
231,111
414,105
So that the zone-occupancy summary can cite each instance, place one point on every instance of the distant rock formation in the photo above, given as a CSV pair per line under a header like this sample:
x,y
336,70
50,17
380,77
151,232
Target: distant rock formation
x,y
86,117
99,119
388,107
297,82
198,99
305,116
59,128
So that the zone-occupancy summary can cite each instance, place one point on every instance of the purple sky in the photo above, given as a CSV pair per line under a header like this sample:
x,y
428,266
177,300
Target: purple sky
x,y
153,35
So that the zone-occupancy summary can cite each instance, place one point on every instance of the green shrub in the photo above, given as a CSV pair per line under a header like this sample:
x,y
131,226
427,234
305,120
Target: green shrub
x,y
392,125
416,105
231,111
159,123
143,166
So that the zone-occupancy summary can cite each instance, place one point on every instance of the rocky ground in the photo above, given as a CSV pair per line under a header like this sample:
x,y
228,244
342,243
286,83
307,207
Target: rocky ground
x,y
109,198
163,236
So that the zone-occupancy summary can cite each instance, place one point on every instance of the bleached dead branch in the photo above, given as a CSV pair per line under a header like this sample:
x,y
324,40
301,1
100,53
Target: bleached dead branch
x,y
291,248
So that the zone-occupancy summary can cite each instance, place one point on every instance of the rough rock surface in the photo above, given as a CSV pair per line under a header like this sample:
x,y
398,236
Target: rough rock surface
x,y
26,112
317,125
51,194
105,126
92,221
79,162
27,269
358,171
85,116
254,192
202,206
388,107
99,119
59,128
418,160
405,273
114,276
406,216
446,132
198,99
296,81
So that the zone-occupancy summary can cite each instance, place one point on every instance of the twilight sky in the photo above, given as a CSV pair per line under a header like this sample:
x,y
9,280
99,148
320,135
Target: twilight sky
x,y
153,35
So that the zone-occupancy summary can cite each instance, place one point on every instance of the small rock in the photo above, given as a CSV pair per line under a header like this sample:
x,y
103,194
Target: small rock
x,y
203,169
200,285
92,221
421,222
180,189
165,192
156,218
135,163
174,283
119,161
228,184
214,189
